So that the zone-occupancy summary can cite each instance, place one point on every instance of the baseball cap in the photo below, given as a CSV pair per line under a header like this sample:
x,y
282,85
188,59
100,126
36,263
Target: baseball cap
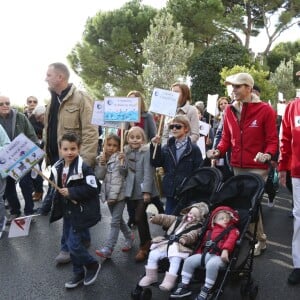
x,y
240,78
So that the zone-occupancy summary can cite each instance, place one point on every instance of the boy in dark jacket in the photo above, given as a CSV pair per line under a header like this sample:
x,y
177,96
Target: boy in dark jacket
x,y
76,200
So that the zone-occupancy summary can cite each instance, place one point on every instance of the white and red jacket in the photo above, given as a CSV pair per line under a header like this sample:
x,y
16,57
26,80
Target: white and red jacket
x,y
254,132
289,158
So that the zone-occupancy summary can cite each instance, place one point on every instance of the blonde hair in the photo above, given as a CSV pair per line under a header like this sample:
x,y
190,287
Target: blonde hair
x,y
183,120
137,129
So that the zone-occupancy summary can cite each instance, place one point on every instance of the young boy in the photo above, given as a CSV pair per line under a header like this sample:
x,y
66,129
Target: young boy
x,y
77,202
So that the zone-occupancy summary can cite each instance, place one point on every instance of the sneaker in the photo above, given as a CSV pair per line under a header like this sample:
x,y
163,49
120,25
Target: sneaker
x,y
105,252
2,225
128,243
63,257
294,277
91,273
75,281
260,247
271,203
204,293
181,291
11,218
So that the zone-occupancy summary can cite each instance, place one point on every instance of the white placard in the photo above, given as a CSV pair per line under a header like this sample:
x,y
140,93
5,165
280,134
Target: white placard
x,y
280,96
298,93
280,109
229,90
98,116
20,227
211,106
122,109
164,102
204,128
18,157
201,145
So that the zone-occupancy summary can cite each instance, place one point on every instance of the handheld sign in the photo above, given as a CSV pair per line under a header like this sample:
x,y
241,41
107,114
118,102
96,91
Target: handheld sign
x,y
98,116
211,106
20,227
280,109
122,109
280,97
19,157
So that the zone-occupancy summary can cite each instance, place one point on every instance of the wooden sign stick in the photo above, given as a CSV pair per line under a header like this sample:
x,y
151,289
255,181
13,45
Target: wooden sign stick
x,y
161,121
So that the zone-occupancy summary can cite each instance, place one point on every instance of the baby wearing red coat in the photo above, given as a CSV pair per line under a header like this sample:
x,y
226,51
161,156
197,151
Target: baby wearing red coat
x,y
223,231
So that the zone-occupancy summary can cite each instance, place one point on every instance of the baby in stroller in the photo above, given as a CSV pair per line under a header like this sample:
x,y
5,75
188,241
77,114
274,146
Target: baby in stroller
x,y
213,253
182,233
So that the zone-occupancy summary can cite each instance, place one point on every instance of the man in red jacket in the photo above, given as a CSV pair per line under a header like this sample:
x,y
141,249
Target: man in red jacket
x,y
289,160
249,130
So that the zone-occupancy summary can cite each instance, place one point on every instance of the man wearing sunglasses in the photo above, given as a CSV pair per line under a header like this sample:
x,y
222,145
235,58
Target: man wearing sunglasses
x,y
31,103
15,123
250,132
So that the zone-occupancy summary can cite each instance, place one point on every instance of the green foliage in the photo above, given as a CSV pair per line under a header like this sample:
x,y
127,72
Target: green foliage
x,y
165,52
283,79
109,59
206,68
268,90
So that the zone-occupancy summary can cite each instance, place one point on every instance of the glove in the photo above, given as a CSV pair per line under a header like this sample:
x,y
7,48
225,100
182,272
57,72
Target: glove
x,y
262,157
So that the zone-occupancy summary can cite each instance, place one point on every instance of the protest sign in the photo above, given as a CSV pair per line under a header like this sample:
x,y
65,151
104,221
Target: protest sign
x,y
122,109
203,128
20,226
280,109
18,157
211,106
98,116
164,102
280,97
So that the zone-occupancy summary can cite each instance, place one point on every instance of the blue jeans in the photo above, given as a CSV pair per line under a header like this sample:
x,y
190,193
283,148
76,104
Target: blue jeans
x,y
171,204
12,197
79,254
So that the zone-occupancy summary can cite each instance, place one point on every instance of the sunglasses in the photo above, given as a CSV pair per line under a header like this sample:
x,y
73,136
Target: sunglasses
x,y
177,126
5,103
32,101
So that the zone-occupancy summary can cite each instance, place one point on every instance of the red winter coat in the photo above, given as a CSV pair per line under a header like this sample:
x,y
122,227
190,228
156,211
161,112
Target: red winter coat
x,y
289,158
229,240
255,132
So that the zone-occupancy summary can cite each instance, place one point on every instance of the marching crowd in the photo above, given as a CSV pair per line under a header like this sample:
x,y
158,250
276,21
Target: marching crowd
x,y
243,137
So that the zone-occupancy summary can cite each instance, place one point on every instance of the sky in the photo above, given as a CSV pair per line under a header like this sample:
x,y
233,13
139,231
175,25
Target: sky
x,y
35,33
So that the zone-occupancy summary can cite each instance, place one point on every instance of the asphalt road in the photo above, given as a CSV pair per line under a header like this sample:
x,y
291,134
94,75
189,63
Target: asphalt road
x,y
28,270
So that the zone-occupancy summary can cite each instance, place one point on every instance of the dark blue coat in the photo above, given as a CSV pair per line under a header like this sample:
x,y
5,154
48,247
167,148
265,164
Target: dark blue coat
x,y
175,172
82,206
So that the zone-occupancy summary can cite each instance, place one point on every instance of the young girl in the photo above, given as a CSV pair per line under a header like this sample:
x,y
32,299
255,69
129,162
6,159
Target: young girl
x,y
112,192
140,185
179,158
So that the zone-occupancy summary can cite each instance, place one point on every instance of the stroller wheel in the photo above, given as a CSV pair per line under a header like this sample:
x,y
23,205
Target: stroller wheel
x,y
146,294
136,293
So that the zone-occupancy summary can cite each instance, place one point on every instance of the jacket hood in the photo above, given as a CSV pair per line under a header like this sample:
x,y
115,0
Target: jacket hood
x,y
233,213
201,206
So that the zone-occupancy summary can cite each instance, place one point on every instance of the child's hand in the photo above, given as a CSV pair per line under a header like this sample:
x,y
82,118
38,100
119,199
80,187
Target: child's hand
x,y
147,197
102,159
225,255
156,139
64,192
121,156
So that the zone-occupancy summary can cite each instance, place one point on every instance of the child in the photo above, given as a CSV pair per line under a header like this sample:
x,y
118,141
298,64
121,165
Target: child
x,y
112,192
179,158
77,202
223,231
139,185
182,233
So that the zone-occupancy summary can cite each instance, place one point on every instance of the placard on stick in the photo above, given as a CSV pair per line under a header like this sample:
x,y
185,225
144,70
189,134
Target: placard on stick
x,y
211,106
98,116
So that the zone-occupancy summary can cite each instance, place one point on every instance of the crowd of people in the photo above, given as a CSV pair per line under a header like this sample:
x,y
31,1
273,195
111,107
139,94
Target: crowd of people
x,y
242,138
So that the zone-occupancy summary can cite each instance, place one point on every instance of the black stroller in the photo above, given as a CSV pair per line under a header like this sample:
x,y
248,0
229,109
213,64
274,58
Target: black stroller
x,y
243,193
199,187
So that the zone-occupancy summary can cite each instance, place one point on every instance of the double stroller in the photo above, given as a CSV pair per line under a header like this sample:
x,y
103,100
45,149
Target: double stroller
x,y
243,193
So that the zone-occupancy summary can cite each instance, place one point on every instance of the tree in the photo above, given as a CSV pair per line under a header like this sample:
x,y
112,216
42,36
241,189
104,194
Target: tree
x,y
165,52
261,79
283,79
206,68
109,59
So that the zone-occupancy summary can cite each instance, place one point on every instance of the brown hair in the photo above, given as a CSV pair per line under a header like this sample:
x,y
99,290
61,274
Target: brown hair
x,y
182,119
141,96
185,91
221,99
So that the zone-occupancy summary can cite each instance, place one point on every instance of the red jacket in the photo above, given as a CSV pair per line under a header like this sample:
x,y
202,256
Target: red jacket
x,y
228,241
289,158
255,132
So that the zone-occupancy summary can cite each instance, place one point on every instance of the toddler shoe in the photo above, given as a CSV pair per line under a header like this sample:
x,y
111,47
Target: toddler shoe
x,y
75,281
91,273
104,252
181,291
204,293
260,247
128,243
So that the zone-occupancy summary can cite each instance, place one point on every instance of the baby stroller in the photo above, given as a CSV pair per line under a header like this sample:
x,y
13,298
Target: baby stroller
x,y
243,193
199,187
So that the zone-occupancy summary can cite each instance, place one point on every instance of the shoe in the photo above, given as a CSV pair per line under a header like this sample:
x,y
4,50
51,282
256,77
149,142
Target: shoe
x,y
204,293
143,252
63,257
11,218
75,281
36,196
91,273
260,247
294,277
181,291
271,203
105,252
128,243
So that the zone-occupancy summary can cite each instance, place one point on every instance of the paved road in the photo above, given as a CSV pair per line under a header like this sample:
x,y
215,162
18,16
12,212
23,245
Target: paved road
x,y
27,269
